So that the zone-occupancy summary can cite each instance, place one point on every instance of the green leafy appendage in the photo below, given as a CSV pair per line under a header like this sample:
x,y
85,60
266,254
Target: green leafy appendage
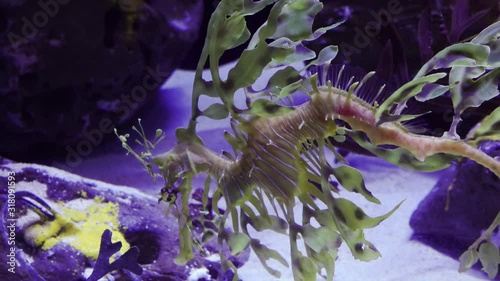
x,y
472,80
486,250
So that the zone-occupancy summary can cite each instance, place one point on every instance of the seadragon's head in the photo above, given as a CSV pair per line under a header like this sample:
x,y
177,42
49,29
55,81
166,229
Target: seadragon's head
x,y
172,173
185,160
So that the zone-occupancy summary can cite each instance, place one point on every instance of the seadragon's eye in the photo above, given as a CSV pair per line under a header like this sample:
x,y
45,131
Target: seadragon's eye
x,y
172,196
168,195
169,192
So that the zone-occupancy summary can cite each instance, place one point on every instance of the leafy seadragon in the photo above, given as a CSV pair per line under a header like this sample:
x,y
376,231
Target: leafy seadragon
x,y
271,161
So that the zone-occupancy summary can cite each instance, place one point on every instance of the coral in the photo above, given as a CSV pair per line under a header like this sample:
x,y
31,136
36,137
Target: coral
x,y
80,229
54,230
107,249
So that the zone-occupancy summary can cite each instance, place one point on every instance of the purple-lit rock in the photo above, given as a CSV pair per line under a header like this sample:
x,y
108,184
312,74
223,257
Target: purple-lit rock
x,y
473,204
70,67
141,222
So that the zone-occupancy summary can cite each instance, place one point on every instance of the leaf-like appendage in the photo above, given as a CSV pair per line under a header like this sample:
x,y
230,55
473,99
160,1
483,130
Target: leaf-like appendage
x,y
305,268
290,89
296,53
184,221
354,217
227,29
360,248
283,78
251,64
463,54
325,56
296,19
352,180
488,34
324,217
471,92
489,128
490,37
268,108
216,111
261,223
431,91
264,254
235,33
493,60
468,259
238,242
404,93
489,255
186,246
187,135
325,259
281,83
320,238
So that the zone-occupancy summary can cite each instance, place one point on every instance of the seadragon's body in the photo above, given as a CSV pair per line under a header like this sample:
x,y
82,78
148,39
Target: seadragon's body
x,y
272,156
271,141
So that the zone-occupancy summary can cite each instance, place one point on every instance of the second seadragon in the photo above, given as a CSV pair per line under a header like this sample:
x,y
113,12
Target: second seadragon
x,y
281,151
